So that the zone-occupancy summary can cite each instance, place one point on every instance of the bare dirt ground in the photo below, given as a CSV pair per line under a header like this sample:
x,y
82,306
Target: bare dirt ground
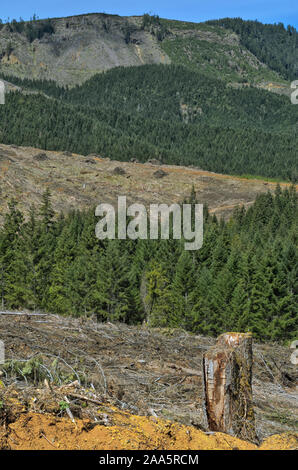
x,y
129,382
35,431
79,182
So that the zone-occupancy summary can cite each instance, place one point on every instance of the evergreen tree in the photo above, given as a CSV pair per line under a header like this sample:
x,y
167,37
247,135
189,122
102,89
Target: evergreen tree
x,y
111,293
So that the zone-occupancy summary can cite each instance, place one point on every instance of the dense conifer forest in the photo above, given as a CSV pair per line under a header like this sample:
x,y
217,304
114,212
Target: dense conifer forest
x,y
273,44
167,112
244,277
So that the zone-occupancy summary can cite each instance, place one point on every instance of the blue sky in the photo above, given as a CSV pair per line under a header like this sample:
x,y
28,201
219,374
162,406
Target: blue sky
x,y
267,11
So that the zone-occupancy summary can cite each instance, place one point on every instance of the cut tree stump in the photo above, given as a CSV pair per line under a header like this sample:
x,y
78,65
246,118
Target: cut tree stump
x,y
227,382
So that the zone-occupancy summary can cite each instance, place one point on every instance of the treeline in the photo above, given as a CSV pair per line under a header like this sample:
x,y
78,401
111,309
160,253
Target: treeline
x,y
167,112
155,26
33,29
272,44
244,277
48,87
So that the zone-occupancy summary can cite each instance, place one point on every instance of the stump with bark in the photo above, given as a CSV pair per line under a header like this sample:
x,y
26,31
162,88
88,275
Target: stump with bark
x,y
227,381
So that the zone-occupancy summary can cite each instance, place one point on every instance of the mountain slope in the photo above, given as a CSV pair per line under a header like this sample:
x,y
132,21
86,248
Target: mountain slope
x,y
78,47
77,182
187,94
273,44
70,50
163,111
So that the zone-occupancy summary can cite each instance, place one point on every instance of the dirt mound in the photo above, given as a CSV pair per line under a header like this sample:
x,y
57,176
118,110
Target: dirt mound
x,y
287,441
44,432
36,431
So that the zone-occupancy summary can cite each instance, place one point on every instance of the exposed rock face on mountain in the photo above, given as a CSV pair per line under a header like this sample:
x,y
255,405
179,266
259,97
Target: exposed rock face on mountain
x,y
79,47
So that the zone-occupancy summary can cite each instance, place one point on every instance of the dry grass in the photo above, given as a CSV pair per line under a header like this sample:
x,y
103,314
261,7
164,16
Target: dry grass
x,y
77,182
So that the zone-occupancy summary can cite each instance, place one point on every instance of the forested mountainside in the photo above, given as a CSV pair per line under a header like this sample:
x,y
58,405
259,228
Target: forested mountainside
x,y
169,112
272,44
243,278
200,100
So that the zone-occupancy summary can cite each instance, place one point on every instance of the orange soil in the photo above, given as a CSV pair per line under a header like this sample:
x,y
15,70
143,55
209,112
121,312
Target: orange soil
x,y
35,431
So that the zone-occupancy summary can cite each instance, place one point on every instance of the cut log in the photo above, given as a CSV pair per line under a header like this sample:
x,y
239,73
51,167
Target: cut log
x,y
227,382
24,314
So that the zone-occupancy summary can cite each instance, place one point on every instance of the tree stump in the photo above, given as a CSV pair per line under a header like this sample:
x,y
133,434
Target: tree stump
x,y
227,381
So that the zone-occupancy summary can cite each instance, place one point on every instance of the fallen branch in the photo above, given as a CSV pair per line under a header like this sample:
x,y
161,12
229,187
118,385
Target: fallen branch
x,y
81,397
24,313
48,440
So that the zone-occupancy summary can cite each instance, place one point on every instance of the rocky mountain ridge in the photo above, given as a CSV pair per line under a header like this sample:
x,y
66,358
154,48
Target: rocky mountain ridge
x,y
72,49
